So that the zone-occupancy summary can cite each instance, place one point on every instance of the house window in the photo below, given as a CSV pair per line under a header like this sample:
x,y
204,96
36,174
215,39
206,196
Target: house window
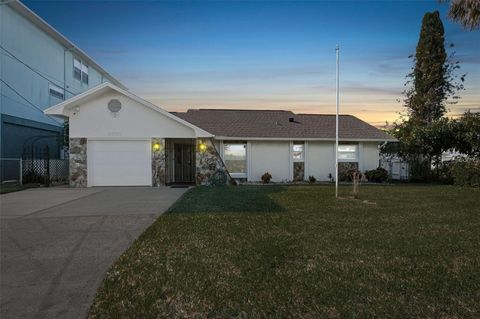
x,y
298,152
347,152
235,158
84,73
55,91
77,69
80,70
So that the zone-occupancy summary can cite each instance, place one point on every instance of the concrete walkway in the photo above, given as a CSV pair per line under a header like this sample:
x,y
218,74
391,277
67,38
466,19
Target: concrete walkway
x,y
57,243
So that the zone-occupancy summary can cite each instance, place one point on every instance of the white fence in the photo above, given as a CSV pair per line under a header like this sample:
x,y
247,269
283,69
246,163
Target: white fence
x,y
396,168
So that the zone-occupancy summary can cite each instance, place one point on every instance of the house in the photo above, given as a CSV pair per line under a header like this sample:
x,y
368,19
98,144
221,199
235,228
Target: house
x,y
119,139
39,68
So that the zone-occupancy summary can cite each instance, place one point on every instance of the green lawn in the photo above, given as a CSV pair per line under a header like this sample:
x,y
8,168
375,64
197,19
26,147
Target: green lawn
x,y
295,251
9,188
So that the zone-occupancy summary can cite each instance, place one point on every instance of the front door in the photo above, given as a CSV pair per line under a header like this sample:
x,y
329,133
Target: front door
x,y
184,163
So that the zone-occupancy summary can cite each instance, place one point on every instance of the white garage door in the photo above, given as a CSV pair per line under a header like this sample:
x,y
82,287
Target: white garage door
x,y
119,163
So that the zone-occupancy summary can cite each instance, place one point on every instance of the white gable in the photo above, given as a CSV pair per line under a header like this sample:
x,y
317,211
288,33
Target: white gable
x,y
89,116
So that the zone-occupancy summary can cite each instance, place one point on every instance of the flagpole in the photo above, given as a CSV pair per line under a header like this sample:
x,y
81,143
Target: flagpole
x,y
337,51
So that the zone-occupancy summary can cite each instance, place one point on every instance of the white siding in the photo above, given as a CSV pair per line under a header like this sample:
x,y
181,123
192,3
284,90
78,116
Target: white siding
x,y
269,156
94,120
320,160
369,156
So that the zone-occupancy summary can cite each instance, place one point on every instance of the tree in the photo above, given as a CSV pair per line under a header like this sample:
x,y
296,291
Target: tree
x,y
424,133
466,134
66,133
465,12
431,77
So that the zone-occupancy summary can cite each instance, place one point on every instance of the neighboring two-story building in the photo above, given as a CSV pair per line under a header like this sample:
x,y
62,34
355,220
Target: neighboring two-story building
x,y
39,67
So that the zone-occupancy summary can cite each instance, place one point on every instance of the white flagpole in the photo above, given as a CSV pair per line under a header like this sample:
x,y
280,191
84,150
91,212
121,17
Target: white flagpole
x,y
337,51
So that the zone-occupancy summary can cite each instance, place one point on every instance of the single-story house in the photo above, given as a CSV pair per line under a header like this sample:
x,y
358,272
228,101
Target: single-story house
x,y
119,139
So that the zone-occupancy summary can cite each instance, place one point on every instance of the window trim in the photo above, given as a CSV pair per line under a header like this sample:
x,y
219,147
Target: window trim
x,y
237,174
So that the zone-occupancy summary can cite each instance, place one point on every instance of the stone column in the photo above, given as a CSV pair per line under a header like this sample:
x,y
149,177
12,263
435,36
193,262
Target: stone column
x,y
78,162
210,168
158,161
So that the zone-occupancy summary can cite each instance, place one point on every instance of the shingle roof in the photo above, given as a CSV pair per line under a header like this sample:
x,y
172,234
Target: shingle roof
x,y
276,124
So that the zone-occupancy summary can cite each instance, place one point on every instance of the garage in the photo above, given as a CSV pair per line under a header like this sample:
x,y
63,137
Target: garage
x,y
118,139
119,163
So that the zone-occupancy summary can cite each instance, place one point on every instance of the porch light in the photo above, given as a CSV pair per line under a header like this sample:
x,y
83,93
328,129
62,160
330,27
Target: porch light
x,y
156,147
202,146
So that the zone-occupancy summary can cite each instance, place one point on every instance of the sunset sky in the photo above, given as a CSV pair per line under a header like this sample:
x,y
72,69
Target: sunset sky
x,y
262,55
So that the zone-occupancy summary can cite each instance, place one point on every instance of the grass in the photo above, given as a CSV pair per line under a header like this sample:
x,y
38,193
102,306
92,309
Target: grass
x,y
9,188
283,252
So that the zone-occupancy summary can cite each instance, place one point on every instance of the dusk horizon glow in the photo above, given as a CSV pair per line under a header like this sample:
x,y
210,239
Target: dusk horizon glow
x,y
263,55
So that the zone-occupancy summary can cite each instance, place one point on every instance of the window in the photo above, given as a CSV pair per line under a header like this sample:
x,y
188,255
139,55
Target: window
x,y
77,69
235,158
80,70
84,73
55,91
347,152
298,154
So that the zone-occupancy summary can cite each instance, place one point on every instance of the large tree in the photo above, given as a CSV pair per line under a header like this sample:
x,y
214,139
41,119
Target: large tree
x,y
426,98
424,133
465,12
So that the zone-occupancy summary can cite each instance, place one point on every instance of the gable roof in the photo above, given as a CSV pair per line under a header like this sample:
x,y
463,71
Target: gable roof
x,y
60,38
273,124
62,109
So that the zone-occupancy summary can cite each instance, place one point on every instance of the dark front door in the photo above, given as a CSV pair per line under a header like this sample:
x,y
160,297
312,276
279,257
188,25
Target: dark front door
x,y
184,163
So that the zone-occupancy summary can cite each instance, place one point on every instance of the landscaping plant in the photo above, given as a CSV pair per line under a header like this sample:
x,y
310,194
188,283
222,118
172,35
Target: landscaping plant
x,y
266,178
466,172
378,175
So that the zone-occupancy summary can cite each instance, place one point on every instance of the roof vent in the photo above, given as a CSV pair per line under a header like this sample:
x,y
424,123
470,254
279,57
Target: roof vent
x,y
114,105
291,119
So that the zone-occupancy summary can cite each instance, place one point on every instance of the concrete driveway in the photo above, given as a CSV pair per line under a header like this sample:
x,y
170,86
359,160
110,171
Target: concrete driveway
x,y
57,244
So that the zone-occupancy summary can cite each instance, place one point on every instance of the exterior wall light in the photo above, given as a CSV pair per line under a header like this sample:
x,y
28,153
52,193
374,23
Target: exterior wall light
x,y
202,146
156,147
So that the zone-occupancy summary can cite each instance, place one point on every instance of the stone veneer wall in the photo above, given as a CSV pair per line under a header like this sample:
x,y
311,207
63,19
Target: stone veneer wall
x,y
158,162
208,163
78,162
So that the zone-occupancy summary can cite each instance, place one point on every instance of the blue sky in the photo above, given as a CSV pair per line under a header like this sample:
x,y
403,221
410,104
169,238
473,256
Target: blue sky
x,y
262,55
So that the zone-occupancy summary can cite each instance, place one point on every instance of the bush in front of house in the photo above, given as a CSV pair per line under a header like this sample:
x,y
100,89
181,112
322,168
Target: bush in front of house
x,y
266,178
347,176
219,178
312,179
378,175
444,173
466,172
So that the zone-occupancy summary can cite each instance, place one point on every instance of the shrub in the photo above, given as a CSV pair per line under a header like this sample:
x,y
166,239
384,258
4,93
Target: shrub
x,y
420,171
444,172
346,171
312,179
378,175
266,178
219,178
347,176
466,172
